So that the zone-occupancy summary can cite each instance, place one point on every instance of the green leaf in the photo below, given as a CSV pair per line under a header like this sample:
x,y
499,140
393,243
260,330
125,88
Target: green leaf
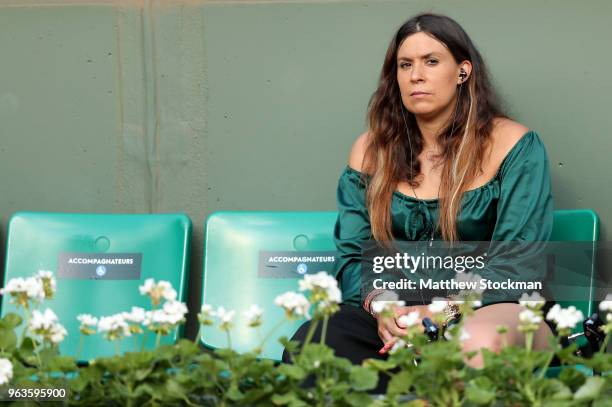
x,y
591,389
362,378
358,399
292,371
381,365
175,389
11,321
415,403
234,394
400,383
46,354
143,390
603,402
284,399
479,391
8,339
572,377
62,364
26,351
558,390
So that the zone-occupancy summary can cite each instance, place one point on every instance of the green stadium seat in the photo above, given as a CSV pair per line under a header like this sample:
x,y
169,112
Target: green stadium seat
x,y
576,225
48,241
237,274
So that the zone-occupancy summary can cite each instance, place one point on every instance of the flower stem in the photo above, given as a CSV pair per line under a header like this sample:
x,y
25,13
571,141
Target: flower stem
x,y
157,339
229,339
78,353
324,329
144,341
528,341
117,349
311,331
274,328
25,327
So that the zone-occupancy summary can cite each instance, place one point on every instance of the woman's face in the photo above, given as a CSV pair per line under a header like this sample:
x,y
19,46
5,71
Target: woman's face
x,y
424,64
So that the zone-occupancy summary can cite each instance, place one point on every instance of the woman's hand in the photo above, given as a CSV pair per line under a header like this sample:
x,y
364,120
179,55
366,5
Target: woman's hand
x,y
390,329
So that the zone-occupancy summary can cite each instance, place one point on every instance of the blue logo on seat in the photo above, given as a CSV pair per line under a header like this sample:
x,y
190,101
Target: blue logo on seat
x,y
100,271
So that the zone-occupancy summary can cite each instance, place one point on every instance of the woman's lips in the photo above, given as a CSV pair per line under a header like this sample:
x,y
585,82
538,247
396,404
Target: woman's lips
x,y
419,94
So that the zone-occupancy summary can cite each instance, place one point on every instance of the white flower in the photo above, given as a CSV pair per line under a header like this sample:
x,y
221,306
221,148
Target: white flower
x,y
533,301
48,282
164,319
207,310
147,287
463,335
88,324
437,305
24,289
176,309
324,289
42,320
318,280
206,314
6,371
400,343
114,327
379,306
409,319
474,281
565,318
225,315
474,303
316,364
168,292
527,316
295,305
334,295
46,325
606,304
57,333
87,319
135,316
253,315
157,291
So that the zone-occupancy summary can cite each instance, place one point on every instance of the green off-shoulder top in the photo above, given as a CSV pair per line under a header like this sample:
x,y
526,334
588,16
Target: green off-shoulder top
x,y
516,205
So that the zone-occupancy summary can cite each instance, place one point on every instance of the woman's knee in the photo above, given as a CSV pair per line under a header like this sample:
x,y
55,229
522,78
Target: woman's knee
x,y
482,337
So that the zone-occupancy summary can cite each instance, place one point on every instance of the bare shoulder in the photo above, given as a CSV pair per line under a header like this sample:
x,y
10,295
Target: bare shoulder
x,y
506,133
358,150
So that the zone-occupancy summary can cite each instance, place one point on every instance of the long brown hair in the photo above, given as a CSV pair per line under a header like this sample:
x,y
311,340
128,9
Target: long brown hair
x,y
388,155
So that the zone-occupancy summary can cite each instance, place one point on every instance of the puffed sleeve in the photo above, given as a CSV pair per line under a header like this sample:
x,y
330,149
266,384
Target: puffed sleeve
x,y
351,230
524,215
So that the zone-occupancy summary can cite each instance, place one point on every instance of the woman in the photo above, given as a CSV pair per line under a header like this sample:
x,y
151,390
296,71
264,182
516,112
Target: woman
x,y
439,159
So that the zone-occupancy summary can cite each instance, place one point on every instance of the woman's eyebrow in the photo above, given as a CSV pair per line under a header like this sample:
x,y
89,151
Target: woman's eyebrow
x,y
422,57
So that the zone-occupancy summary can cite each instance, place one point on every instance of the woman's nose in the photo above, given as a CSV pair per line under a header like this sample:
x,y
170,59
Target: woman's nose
x,y
416,73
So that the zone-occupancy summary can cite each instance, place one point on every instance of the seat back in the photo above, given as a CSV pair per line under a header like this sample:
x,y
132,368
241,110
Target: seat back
x,y
158,246
574,271
250,258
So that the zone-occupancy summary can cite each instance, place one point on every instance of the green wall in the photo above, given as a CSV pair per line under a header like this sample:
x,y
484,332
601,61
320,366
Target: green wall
x,y
196,106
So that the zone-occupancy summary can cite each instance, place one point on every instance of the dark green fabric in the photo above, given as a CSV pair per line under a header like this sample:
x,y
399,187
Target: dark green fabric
x,y
516,205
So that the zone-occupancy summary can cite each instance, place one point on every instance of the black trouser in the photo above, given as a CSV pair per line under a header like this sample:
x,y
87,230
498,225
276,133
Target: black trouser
x,y
353,334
